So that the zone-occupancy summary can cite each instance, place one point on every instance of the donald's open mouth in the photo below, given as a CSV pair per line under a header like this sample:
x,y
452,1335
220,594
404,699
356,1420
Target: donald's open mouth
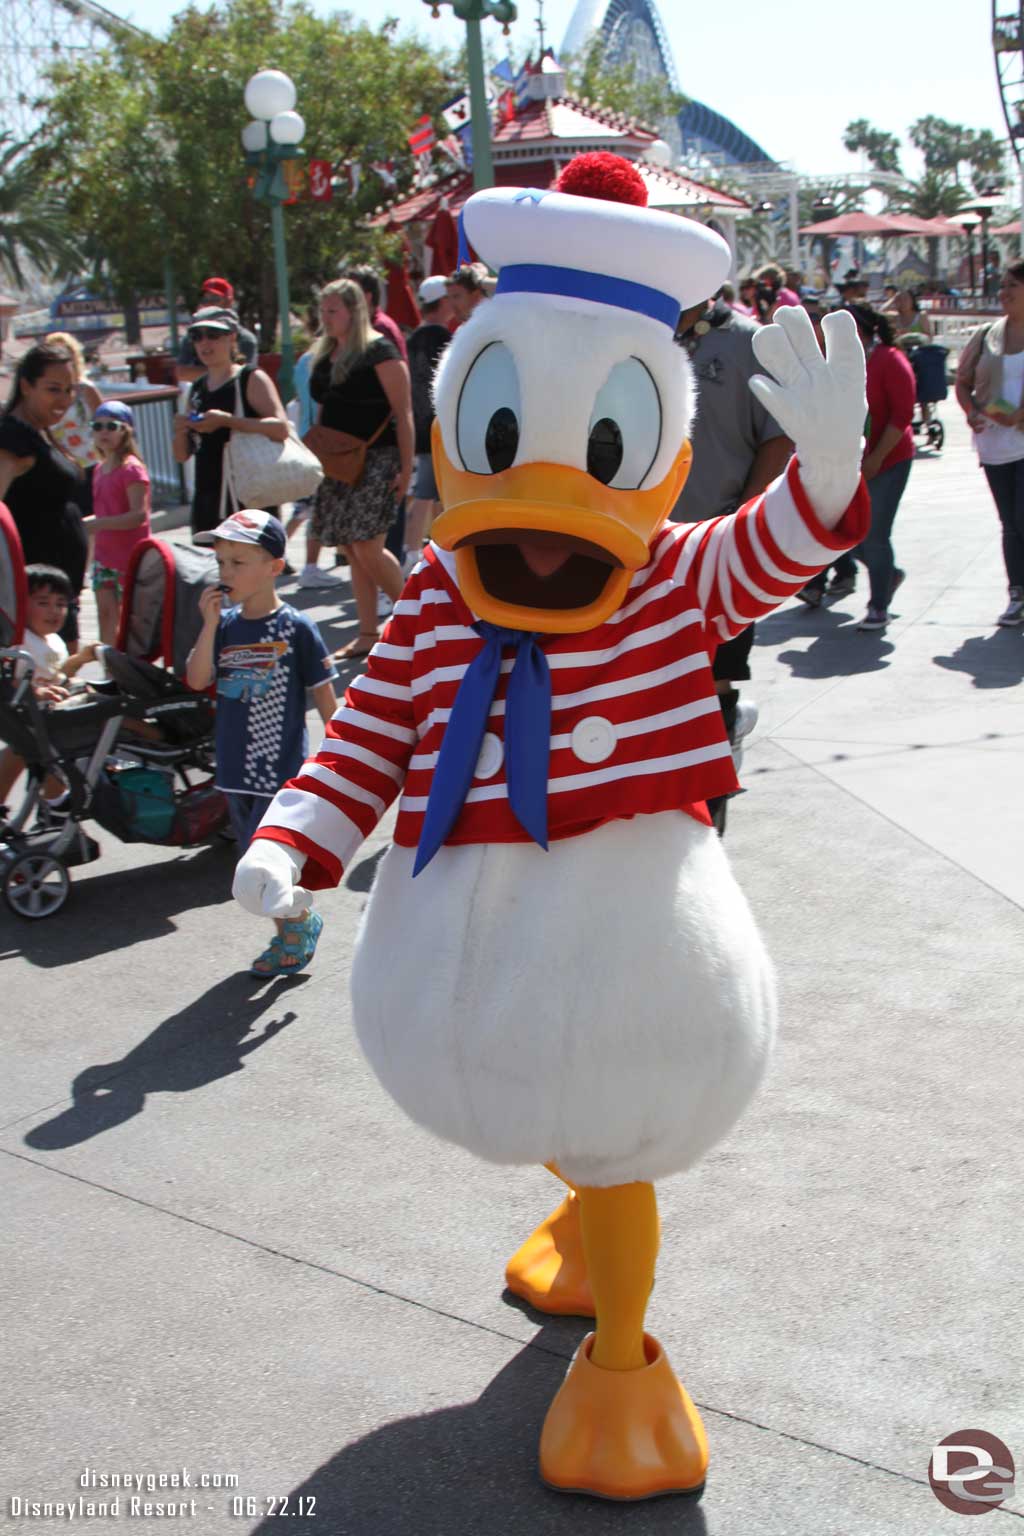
x,y
540,569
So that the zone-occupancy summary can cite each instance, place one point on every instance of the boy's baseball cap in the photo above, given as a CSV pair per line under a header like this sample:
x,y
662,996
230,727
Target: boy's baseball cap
x,y
116,410
250,526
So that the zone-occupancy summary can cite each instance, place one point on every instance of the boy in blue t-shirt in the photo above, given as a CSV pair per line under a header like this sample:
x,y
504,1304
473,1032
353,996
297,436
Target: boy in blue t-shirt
x,y
264,655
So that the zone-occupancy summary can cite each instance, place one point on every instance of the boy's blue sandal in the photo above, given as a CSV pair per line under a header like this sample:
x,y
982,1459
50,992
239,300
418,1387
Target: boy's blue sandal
x,y
298,945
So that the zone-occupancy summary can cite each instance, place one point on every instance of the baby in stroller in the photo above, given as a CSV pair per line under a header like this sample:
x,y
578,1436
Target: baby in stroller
x,y
121,752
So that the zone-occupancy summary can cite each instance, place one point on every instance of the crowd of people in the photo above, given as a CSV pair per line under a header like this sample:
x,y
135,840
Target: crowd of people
x,y
72,475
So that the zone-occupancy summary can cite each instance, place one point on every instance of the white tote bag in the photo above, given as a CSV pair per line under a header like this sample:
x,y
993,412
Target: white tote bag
x,y
261,473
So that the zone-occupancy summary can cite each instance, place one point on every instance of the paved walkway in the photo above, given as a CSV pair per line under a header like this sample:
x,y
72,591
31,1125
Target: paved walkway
x,y
227,1250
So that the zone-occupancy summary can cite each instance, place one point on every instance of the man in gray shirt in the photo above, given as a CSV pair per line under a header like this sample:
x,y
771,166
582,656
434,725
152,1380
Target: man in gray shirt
x,y
738,450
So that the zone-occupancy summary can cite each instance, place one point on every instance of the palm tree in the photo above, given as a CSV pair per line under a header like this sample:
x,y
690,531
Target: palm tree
x,y
936,195
34,227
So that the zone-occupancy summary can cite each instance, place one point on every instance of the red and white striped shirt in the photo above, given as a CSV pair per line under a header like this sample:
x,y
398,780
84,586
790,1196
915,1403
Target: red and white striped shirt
x,y
635,723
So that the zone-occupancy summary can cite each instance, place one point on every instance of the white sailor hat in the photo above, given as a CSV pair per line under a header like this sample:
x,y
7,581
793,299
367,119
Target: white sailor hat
x,y
586,248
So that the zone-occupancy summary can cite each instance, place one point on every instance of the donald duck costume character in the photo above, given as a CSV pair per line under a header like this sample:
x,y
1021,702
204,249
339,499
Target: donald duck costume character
x,y
580,982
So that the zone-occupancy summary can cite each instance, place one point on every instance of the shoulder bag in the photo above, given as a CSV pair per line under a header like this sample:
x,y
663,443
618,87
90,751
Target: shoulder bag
x,y
342,455
262,473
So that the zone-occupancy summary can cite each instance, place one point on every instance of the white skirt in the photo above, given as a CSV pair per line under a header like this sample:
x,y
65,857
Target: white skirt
x,y
607,1005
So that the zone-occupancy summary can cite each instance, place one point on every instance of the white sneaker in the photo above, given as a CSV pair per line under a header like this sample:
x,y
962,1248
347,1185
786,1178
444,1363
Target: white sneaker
x,y
747,716
1013,613
384,605
410,563
313,576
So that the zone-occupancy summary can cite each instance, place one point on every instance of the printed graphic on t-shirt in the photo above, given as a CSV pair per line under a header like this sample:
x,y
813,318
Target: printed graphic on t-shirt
x,y
252,675
247,671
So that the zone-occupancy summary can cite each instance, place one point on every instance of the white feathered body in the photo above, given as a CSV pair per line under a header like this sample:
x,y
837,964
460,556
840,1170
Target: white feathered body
x,y
607,1005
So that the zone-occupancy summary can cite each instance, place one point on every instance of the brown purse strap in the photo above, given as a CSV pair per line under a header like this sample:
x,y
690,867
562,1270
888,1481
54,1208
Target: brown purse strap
x,y
384,424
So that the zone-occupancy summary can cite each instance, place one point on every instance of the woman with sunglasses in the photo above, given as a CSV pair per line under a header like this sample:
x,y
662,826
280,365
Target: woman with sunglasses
x,y
211,417
120,493
40,483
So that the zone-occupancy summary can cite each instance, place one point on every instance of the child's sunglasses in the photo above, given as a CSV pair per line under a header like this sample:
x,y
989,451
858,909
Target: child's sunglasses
x,y
108,425
206,333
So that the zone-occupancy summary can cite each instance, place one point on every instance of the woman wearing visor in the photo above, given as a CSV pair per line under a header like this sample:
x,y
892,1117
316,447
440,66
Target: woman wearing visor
x,y
211,416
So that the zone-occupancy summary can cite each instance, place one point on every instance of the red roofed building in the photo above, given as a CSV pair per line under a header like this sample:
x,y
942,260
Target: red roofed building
x,y
530,149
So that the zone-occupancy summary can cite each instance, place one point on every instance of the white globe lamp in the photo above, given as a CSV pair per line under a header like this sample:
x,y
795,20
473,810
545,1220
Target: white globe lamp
x,y
659,153
269,92
254,137
287,128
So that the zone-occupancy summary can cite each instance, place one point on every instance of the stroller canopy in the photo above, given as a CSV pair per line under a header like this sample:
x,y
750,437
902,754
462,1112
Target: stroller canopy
x,y
160,618
13,586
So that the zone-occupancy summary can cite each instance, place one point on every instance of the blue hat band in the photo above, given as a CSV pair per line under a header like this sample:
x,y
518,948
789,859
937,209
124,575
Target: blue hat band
x,y
597,287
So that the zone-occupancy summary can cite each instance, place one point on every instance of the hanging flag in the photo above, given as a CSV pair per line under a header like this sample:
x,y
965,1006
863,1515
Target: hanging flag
x,y
503,72
522,83
355,176
457,113
452,147
385,170
294,180
506,112
421,139
320,181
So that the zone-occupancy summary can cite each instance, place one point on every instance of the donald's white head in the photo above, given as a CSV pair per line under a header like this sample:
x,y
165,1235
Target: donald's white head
x,y
563,405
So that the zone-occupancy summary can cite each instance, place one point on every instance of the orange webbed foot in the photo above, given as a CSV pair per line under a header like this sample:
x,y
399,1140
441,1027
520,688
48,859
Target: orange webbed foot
x,y
623,1434
550,1270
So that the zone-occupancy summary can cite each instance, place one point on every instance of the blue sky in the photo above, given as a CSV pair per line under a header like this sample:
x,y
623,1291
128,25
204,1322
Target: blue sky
x,y
790,81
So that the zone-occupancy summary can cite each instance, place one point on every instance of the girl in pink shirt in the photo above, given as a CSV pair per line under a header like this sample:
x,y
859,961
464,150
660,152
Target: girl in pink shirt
x,y
120,492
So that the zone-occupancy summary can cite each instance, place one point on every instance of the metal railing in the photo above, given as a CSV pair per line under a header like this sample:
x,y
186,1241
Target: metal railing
x,y
154,408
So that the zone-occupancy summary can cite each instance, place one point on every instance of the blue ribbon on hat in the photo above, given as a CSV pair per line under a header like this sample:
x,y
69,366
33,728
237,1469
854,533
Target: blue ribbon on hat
x,y
598,287
527,739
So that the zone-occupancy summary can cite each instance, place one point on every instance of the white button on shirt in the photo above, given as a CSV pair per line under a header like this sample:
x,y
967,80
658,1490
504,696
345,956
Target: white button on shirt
x,y
593,739
492,755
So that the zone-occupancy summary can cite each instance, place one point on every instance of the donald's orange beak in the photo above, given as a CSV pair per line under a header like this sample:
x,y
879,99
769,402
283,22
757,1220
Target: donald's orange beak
x,y
591,539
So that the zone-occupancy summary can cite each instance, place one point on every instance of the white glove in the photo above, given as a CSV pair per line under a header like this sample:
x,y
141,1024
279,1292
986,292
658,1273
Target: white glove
x,y
266,880
819,402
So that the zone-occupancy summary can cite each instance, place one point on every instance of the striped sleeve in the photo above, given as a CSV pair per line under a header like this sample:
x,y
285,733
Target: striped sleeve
x,y
744,565
340,794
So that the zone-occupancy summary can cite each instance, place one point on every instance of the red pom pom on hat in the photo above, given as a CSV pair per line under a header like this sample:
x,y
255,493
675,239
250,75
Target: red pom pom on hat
x,y
603,175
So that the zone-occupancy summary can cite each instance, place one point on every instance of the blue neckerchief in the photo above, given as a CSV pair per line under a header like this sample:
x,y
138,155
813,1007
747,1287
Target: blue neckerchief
x,y
527,739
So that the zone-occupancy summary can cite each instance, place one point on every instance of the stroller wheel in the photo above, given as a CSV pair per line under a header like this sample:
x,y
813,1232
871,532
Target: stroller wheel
x,y
36,885
936,434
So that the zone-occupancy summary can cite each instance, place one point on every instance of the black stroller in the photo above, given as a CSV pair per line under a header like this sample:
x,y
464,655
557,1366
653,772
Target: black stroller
x,y
135,751
928,361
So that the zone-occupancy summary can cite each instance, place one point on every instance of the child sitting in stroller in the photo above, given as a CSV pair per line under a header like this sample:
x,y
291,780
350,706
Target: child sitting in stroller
x,y
49,597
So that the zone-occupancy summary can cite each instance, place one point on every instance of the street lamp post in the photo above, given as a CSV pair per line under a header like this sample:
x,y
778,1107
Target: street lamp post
x,y
968,223
473,12
272,137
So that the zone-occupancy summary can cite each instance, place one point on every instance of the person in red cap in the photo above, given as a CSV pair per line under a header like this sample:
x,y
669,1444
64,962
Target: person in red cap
x,y
218,291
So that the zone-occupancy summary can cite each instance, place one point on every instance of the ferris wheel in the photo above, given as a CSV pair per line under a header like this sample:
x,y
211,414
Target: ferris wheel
x,y
1008,46
35,35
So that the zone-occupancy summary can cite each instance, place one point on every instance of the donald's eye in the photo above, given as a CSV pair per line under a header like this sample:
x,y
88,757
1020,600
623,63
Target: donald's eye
x,y
489,412
625,427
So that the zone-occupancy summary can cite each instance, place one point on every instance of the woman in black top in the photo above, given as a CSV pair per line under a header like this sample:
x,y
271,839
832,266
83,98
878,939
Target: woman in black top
x,y
361,387
38,481
212,414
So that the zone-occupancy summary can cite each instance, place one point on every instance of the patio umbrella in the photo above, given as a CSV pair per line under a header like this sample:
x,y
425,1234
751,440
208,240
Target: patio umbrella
x,y
851,224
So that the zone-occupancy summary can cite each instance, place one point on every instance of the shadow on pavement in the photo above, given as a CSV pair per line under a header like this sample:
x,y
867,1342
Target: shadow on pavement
x,y
836,648
473,1469
112,910
994,661
204,1041
362,875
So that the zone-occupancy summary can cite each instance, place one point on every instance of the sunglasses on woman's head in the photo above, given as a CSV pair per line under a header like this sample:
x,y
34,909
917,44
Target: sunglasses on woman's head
x,y
204,333
107,426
